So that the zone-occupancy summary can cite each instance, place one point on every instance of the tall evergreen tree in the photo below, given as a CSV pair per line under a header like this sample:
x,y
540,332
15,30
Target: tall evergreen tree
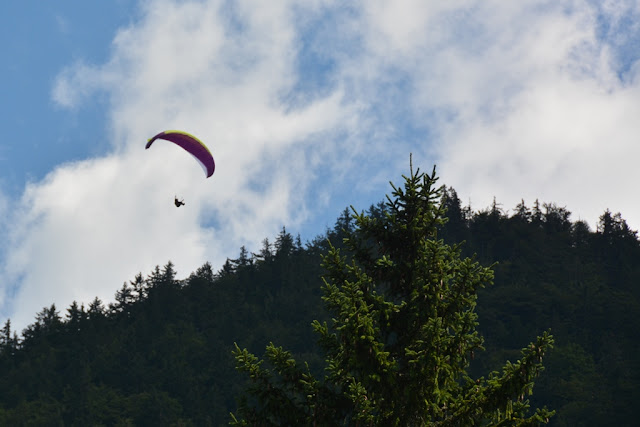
x,y
284,245
402,335
8,343
243,260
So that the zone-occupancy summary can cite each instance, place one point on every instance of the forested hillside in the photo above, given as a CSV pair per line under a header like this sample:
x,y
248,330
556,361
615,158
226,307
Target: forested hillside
x,y
161,353
584,285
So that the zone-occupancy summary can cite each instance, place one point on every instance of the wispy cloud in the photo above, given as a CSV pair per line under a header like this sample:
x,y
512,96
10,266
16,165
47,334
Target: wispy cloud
x,y
317,106
218,73
525,100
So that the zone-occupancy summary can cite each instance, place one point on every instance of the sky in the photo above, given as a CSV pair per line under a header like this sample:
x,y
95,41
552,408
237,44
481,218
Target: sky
x,y
308,107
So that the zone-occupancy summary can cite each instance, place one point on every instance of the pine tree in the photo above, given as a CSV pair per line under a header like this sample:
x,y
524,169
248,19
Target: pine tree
x,y
243,260
284,244
76,316
8,343
96,309
402,336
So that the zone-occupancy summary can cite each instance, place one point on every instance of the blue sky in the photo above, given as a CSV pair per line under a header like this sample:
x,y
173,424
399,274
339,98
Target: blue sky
x,y
308,107
38,41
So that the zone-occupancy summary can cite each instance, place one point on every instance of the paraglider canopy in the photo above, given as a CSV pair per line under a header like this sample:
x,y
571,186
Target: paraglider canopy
x,y
192,145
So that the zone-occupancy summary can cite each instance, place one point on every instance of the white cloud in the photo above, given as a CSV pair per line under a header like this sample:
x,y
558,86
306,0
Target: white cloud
x,y
523,100
90,225
306,107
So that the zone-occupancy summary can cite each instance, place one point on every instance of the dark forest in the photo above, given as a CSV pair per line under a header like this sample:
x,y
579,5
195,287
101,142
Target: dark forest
x,y
161,353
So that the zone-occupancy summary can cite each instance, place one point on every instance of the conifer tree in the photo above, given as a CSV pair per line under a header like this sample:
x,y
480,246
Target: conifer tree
x,y
8,344
402,335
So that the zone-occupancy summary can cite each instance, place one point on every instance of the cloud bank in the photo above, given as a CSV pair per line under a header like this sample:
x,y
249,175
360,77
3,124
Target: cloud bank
x,y
308,109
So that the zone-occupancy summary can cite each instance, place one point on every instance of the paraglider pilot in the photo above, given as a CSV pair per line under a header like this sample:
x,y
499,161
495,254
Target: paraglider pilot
x,y
178,202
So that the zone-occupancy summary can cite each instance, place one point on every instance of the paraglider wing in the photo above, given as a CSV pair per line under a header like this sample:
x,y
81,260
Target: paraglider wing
x,y
191,144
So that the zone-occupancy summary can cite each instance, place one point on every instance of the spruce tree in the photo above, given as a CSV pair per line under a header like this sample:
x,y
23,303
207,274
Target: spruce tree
x,y
402,334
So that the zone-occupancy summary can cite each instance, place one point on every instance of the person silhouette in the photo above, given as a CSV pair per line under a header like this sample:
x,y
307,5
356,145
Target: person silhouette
x,y
177,202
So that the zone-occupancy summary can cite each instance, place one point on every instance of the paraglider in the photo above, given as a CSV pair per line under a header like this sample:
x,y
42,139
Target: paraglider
x,y
191,145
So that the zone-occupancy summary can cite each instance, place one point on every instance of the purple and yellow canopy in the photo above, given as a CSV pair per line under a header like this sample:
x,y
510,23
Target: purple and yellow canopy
x,y
191,145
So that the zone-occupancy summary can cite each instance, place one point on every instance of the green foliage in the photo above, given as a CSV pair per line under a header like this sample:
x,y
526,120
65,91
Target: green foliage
x,y
402,334
160,352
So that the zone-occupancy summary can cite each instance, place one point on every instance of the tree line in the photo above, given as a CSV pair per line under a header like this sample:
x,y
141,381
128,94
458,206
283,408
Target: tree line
x,y
165,351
